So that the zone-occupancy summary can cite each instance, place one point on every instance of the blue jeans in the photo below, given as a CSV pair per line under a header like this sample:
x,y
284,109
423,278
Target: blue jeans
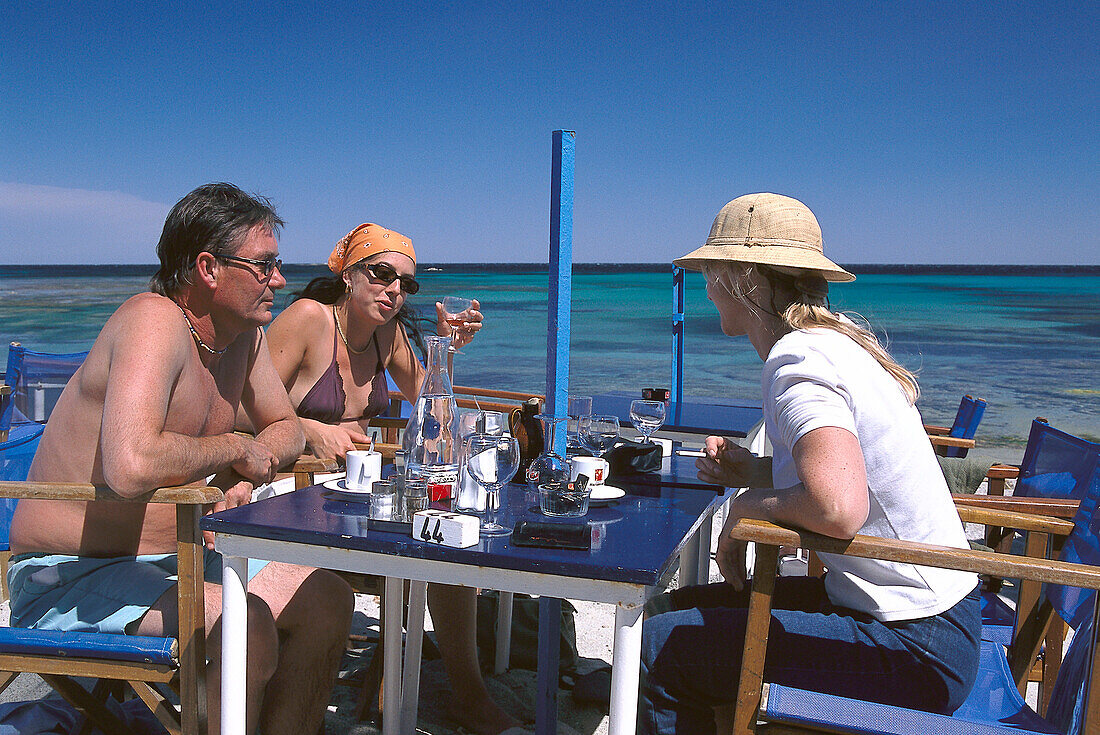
x,y
691,656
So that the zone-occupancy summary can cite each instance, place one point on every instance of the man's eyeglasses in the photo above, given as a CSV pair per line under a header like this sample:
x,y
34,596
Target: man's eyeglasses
x,y
267,266
385,272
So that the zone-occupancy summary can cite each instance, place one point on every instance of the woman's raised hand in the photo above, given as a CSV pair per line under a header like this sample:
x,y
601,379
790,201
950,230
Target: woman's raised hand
x,y
464,333
331,442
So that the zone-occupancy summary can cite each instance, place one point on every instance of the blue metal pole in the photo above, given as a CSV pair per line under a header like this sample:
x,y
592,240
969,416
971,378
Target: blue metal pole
x,y
561,278
557,391
677,335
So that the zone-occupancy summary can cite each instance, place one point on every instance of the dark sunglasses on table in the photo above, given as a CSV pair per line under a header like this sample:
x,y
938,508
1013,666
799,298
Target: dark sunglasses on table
x,y
386,273
267,267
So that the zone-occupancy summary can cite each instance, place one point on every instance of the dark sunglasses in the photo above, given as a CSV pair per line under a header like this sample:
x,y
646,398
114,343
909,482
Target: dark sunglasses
x,y
385,272
267,267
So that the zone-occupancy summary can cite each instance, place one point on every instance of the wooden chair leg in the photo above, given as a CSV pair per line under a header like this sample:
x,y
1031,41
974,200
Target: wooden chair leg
x,y
160,707
6,678
5,560
756,640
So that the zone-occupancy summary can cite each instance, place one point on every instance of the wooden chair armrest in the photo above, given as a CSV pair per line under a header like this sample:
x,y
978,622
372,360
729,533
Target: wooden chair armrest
x,y
1064,508
951,441
911,552
1003,472
182,495
386,450
315,464
491,393
937,430
1019,521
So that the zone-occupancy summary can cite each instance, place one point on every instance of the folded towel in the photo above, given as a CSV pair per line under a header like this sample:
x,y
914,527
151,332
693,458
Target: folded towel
x,y
963,474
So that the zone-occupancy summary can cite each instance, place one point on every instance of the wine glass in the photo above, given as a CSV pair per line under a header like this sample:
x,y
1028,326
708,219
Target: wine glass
x,y
578,406
599,432
453,308
492,461
647,417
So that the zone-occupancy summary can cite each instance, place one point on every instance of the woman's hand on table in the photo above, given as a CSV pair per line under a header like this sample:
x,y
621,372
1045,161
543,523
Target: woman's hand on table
x,y
331,442
472,319
727,463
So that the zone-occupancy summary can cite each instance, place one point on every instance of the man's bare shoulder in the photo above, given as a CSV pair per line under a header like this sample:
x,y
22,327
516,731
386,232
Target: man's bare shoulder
x,y
146,320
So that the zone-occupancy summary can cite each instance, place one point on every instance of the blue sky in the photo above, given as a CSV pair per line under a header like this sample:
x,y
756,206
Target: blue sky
x,y
917,132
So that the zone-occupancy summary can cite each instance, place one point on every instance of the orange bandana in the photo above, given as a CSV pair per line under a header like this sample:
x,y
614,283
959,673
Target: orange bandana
x,y
364,241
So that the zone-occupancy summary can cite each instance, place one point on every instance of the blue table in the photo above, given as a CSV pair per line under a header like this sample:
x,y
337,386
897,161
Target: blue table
x,y
636,545
689,417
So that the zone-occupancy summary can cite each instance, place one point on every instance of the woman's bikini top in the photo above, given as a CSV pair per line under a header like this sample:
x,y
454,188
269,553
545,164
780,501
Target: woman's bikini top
x,y
326,400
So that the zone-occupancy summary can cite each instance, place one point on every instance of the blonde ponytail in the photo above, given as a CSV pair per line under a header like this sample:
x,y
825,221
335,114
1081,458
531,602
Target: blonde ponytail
x,y
806,294
807,316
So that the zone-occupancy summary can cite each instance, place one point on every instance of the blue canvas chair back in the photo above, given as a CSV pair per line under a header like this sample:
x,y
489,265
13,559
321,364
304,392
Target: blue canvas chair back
x,y
994,693
966,423
36,379
16,455
1055,464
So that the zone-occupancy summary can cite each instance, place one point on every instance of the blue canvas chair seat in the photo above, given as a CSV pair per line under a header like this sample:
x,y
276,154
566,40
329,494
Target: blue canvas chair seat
x,y
142,662
61,644
993,706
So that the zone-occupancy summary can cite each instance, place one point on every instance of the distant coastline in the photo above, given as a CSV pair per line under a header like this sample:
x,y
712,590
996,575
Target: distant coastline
x,y
68,270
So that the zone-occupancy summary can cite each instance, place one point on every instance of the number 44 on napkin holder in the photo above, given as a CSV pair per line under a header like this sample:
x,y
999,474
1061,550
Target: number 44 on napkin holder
x,y
445,528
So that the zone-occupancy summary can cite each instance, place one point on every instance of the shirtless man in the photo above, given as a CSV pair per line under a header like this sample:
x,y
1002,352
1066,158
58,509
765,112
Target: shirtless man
x,y
154,405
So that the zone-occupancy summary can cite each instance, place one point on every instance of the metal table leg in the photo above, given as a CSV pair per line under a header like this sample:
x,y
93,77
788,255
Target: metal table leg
x,y
391,647
234,645
625,663
414,639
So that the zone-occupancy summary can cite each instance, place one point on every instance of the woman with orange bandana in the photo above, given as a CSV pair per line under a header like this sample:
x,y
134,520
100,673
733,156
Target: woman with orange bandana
x,y
332,347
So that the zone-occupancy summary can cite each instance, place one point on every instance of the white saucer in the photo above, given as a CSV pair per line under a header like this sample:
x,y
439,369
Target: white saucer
x,y
340,486
602,494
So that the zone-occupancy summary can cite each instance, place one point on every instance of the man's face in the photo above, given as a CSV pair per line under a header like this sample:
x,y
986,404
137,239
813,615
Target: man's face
x,y
242,287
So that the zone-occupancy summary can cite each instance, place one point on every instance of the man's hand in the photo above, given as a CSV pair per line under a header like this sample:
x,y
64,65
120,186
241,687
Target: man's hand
x,y
238,491
729,464
257,462
472,319
731,555
331,442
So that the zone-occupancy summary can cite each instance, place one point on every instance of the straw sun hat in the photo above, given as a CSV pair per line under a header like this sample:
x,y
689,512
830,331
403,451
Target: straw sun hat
x,y
770,229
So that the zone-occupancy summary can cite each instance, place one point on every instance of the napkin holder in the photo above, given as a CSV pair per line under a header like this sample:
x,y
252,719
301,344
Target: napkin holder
x,y
446,528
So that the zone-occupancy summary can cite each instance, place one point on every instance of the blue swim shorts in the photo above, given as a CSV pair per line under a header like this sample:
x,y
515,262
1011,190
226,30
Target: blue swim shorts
x,y
92,595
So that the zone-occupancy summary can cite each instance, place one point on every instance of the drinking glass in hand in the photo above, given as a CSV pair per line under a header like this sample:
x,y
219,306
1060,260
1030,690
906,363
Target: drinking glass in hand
x,y
453,309
492,461
599,433
647,417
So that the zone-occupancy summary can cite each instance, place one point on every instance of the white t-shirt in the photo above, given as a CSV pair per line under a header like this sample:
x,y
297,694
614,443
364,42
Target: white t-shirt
x,y
820,377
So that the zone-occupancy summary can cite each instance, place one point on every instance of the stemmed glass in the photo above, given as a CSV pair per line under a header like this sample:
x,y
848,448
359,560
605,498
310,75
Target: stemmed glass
x,y
599,432
647,417
578,406
549,466
492,461
453,308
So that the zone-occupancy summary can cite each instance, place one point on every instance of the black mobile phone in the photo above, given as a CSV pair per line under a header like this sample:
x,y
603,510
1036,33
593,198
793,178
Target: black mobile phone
x,y
553,535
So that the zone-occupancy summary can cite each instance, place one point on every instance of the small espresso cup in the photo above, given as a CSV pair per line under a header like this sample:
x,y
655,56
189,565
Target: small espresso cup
x,y
364,467
595,467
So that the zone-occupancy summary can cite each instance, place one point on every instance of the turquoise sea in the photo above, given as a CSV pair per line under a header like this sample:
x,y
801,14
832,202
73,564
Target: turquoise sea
x,y
1027,343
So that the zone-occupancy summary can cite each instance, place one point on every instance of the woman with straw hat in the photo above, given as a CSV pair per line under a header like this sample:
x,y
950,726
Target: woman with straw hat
x,y
850,456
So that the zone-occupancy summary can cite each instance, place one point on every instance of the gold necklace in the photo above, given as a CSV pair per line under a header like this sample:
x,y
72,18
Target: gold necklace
x,y
340,330
198,339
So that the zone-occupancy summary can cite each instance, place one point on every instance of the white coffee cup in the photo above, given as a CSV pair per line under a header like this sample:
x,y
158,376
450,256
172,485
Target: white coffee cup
x,y
364,467
595,467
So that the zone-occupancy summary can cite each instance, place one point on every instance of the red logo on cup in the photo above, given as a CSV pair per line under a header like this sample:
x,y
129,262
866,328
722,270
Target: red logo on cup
x,y
441,491
597,475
